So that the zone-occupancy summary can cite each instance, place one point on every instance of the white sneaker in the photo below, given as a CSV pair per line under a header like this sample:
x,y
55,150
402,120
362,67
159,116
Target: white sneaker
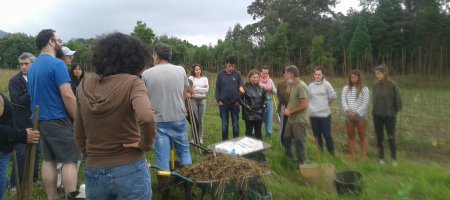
x,y
381,161
13,191
394,163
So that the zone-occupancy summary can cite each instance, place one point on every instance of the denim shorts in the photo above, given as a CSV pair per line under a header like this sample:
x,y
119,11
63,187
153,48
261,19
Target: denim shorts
x,y
131,181
358,118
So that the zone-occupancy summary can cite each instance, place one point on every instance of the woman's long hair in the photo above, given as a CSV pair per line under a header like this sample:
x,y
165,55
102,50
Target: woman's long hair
x,y
193,69
359,85
385,81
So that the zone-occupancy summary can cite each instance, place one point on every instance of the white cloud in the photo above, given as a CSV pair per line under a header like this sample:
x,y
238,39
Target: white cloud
x,y
198,21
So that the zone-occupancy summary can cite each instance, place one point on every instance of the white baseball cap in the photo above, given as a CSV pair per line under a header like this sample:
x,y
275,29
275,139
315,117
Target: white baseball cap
x,y
67,51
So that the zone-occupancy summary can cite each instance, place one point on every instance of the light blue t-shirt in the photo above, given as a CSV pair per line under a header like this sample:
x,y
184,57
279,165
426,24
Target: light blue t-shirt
x,y
45,76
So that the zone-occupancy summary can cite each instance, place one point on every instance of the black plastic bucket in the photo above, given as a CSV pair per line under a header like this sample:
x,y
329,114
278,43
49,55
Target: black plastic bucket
x,y
349,182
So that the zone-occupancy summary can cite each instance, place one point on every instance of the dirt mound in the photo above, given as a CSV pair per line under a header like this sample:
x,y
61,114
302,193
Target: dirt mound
x,y
223,167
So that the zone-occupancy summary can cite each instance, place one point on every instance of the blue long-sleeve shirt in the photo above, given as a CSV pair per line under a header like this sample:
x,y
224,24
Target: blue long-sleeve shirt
x,y
227,87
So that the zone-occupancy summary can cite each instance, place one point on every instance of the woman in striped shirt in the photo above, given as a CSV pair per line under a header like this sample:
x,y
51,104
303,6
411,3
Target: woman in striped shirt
x,y
355,103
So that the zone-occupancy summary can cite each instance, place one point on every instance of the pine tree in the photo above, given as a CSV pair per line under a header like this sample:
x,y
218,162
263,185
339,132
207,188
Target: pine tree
x,y
360,47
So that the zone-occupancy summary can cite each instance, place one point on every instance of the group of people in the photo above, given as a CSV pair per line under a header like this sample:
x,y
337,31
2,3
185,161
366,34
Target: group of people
x,y
20,101
105,119
112,118
301,104
386,103
254,96
317,97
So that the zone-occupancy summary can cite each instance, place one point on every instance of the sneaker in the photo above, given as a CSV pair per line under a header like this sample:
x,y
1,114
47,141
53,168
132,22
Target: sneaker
x,y
37,183
60,192
13,191
394,163
381,161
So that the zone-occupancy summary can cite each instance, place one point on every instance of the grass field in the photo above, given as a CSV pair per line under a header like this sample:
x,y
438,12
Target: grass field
x,y
423,157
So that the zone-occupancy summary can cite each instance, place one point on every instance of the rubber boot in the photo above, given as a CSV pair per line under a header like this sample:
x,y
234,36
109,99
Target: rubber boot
x,y
164,186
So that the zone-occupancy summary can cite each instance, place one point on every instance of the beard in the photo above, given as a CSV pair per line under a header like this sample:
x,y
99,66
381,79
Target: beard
x,y
59,53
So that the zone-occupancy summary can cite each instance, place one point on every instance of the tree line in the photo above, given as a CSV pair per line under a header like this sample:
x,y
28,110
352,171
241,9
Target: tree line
x,y
409,36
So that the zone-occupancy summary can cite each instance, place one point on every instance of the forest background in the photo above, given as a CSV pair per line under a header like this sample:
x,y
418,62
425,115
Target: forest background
x,y
409,36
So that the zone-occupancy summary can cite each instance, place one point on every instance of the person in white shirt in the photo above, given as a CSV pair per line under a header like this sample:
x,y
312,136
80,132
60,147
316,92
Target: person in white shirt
x,y
200,87
355,104
321,95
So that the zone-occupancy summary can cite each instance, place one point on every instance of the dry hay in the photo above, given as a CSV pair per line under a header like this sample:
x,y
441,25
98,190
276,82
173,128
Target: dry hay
x,y
224,172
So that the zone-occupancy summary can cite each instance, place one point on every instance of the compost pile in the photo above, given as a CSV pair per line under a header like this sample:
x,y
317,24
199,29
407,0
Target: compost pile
x,y
223,167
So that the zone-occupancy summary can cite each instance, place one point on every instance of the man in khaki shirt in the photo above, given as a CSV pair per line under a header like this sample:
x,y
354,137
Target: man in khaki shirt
x,y
297,111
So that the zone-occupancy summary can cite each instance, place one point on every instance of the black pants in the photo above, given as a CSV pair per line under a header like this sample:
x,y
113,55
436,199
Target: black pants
x,y
380,123
253,125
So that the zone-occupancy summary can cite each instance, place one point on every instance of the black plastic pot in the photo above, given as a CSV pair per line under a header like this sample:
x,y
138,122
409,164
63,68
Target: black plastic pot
x,y
349,182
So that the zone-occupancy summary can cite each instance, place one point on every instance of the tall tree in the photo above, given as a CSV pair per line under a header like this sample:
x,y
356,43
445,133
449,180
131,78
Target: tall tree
x,y
83,48
144,33
12,45
360,47
318,55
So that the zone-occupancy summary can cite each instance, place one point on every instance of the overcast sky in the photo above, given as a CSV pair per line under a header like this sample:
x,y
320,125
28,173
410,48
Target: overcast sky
x,y
197,21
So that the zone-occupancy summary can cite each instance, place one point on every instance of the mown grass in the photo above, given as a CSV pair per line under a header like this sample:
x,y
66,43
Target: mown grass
x,y
423,134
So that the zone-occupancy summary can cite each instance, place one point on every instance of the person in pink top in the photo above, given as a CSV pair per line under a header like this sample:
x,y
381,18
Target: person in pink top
x,y
267,84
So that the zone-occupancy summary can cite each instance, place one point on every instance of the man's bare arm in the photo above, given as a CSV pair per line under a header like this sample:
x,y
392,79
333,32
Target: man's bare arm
x,y
2,106
69,99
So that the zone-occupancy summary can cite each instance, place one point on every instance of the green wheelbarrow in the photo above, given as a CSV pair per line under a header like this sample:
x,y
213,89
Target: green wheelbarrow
x,y
248,188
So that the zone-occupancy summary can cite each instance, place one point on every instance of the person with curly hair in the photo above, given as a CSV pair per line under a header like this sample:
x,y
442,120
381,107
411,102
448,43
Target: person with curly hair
x,y
115,124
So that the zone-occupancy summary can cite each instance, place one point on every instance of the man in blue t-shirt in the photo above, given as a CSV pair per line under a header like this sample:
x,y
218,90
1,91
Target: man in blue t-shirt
x,y
49,87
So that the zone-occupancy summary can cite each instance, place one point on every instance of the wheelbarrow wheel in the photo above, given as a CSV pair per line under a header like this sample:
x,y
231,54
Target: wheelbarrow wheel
x,y
258,191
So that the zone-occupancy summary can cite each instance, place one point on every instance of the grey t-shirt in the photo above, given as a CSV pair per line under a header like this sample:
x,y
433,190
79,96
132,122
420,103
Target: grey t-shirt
x,y
165,85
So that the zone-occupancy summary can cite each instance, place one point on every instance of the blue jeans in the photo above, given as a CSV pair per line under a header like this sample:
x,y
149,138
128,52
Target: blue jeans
x,y
268,117
321,127
225,110
171,132
131,181
4,162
